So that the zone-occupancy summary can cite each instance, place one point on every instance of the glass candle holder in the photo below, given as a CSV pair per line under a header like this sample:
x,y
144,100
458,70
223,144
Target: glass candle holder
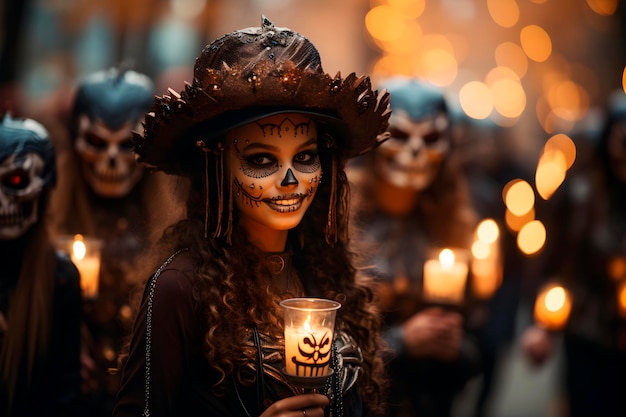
x,y
309,331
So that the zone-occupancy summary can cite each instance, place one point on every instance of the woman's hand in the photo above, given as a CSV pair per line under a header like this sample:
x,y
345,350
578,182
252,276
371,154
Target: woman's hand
x,y
305,405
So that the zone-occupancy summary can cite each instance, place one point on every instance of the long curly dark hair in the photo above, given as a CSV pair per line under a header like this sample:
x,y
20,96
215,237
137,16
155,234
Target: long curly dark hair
x,y
231,279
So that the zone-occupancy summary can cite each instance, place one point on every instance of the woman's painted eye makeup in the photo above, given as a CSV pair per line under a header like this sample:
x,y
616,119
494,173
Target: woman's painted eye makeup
x,y
258,165
307,161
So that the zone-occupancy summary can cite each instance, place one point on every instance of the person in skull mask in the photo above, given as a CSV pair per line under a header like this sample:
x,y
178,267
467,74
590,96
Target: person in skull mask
x,y
40,299
108,106
410,196
586,219
103,193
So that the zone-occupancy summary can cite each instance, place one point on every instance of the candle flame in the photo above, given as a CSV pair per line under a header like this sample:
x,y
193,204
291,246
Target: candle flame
x,y
446,258
555,299
79,249
307,324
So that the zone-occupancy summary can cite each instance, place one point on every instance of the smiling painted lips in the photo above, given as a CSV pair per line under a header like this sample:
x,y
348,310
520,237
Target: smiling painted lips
x,y
285,204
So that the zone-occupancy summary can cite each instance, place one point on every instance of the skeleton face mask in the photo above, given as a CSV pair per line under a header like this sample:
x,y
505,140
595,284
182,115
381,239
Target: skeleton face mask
x,y
412,156
107,161
420,138
26,168
108,106
20,187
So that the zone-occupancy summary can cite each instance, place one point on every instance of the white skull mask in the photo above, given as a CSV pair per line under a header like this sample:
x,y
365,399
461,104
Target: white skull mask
x,y
108,164
21,184
411,158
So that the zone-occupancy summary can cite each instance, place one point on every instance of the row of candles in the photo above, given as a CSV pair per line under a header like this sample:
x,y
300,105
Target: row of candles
x,y
309,322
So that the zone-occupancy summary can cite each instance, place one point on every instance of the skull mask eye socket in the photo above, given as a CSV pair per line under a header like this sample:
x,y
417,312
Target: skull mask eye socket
x,y
95,141
398,134
16,181
433,137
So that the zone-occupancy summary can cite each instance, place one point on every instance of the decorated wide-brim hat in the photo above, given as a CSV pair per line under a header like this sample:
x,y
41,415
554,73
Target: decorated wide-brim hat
x,y
250,74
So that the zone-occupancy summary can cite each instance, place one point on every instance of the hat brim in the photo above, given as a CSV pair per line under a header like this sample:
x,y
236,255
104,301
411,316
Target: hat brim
x,y
217,127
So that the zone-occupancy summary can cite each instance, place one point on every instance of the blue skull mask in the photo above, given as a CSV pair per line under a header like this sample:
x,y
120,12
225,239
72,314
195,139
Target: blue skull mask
x,y
420,135
27,167
109,105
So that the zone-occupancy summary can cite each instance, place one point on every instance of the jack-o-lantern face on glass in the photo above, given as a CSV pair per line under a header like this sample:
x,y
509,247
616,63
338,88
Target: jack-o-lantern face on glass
x,y
314,354
109,106
309,330
420,138
276,170
26,168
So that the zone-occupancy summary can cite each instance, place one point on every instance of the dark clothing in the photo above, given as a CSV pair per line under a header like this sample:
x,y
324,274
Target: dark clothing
x,y
419,386
181,380
589,239
54,388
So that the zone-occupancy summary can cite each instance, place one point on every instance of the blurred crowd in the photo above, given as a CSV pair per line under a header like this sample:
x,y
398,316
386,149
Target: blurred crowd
x,y
67,175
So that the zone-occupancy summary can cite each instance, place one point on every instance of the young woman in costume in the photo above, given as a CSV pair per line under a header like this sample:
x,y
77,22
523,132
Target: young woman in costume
x,y
262,135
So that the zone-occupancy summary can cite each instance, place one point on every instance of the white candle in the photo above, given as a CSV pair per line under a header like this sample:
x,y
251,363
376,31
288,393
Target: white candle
x,y
445,279
309,328
307,350
486,265
86,257
486,269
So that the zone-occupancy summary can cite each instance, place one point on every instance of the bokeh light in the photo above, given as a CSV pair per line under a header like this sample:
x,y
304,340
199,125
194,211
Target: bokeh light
x,y
603,7
568,100
536,43
480,250
555,298
385,23
504,12
487,231
509,97
550,173
412,9
511,55
515,223
519,197
565,145
476,100
531,237
439,67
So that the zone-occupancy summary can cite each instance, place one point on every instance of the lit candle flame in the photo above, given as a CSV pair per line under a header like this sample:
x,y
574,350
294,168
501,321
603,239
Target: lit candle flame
x,y
78,248
446,258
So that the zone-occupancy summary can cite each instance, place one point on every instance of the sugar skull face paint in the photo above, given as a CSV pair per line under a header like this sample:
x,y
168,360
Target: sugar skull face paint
x,y
275,169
